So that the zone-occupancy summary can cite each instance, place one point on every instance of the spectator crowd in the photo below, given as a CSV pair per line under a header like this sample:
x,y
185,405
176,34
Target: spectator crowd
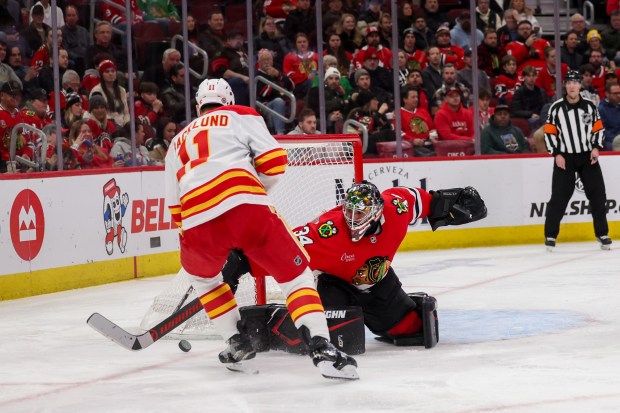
x,y
516,73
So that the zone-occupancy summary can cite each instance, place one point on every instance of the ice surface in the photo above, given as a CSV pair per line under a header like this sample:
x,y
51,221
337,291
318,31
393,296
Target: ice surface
x,y
521,330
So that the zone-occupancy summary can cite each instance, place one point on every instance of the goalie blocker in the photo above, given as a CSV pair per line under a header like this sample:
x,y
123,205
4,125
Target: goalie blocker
x,y
270,327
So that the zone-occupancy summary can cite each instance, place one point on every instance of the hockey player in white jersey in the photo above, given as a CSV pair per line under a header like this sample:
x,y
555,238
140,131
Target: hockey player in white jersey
x,y
219,169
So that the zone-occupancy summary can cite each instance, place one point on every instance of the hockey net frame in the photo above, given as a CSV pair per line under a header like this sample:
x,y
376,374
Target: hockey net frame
x,y
321,168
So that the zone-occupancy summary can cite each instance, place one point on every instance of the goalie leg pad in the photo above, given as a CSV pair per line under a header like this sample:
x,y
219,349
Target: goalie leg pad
x,y
426,306
270,327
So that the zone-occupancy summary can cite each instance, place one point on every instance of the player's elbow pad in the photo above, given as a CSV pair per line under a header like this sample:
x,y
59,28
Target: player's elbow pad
x,y
456,206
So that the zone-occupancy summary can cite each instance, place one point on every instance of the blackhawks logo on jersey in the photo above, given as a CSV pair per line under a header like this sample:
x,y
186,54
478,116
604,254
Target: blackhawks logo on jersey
x,y
327,229
373,271
402,206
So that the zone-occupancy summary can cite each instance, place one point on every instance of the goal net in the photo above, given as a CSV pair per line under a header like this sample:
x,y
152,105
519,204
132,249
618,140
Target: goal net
x,y
319,172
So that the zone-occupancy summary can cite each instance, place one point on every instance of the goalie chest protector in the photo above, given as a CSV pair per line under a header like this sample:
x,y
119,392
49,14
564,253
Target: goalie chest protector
x,y
270,327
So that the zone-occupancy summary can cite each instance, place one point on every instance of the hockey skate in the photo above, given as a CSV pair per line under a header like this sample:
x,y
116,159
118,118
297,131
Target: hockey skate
x,y
239,349
332,363
605,242
550,244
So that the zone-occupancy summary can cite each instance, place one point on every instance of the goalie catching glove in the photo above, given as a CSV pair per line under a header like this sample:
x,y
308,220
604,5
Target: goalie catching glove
x,y
456,206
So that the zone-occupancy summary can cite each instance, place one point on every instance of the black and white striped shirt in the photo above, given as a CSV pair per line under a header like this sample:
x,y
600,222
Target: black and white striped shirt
x,y
573,128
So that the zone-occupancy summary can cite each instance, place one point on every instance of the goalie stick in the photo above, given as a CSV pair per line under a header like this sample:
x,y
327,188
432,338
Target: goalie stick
x,y
137,342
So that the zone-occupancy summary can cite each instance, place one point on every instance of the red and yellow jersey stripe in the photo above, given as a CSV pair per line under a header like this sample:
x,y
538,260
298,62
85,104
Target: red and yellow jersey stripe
x,y
218,301
224,186
272,162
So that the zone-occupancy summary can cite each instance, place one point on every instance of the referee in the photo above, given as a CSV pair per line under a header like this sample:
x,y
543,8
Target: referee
x,y
574,136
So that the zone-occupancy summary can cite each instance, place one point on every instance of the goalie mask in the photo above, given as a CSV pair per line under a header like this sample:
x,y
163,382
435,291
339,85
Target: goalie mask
x,y
362,206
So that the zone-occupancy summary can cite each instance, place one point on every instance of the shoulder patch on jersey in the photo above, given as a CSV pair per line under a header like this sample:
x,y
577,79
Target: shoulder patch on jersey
x,y
327,229
30,113
402,205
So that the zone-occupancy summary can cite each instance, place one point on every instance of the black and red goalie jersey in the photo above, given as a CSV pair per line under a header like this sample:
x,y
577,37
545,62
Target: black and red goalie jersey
x,y
365,262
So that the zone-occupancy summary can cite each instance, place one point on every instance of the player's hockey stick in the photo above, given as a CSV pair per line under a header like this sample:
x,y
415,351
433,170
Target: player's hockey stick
x,y
138,342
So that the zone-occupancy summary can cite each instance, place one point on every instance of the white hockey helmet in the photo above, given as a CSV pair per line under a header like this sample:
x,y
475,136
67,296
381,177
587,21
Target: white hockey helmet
x,y
214,91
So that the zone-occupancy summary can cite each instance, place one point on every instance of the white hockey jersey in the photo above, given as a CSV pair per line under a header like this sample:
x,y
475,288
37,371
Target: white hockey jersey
x,y
214,165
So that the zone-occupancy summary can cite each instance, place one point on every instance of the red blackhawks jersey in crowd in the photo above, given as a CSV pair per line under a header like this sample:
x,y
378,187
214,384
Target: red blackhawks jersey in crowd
x,y
116,15
7,122
416,124
366,262
453,54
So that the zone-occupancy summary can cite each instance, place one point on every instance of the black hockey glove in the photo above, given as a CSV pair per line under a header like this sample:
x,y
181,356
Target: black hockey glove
x,y
236,265
456,206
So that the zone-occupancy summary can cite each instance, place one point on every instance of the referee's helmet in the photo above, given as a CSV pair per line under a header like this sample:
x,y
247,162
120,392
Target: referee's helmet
x,y
573,75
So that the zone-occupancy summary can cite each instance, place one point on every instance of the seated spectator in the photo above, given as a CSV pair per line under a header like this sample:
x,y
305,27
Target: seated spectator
x,y
335,102
460,35
334,47
600,72
587,90
416,122
580,27
372,12
113,93
331,61
570,54
100,126
414,58
449,77
232,65
490,54
486,18
166,130
46,76
26,74
385,30
70,84
449,53
414,78
51,157
434,18
609,110
75,39
160,11
306,124
351,37
507,83
6,72
301,66
363,83
73,111
453,121
160,72
424,36
405,16
546,75
380,76
529,47
103,46
539,134
373,42
508,32
147,107
34,112
465,75
529,99
611,36
500,137
484,107
212,38
33,36
270,38
116,15
594,43
300,20
122,150
88,153
47,13
270,96
525,13
173,97
43,55
10,99
432,74
370,114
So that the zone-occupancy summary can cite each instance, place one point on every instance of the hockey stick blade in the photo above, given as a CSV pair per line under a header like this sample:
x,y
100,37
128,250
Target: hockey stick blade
x,y
135,342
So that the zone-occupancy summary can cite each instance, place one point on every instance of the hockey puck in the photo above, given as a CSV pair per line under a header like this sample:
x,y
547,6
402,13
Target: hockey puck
x,y
185,346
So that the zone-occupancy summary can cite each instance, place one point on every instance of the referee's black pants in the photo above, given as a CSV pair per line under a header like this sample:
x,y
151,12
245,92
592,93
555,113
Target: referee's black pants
x,y
563,186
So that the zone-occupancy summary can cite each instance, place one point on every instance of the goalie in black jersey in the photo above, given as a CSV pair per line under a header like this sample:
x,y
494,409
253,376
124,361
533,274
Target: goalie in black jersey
x,y
351,248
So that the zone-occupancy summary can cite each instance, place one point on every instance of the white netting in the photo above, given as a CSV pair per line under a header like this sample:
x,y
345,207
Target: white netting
x,y
318,173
